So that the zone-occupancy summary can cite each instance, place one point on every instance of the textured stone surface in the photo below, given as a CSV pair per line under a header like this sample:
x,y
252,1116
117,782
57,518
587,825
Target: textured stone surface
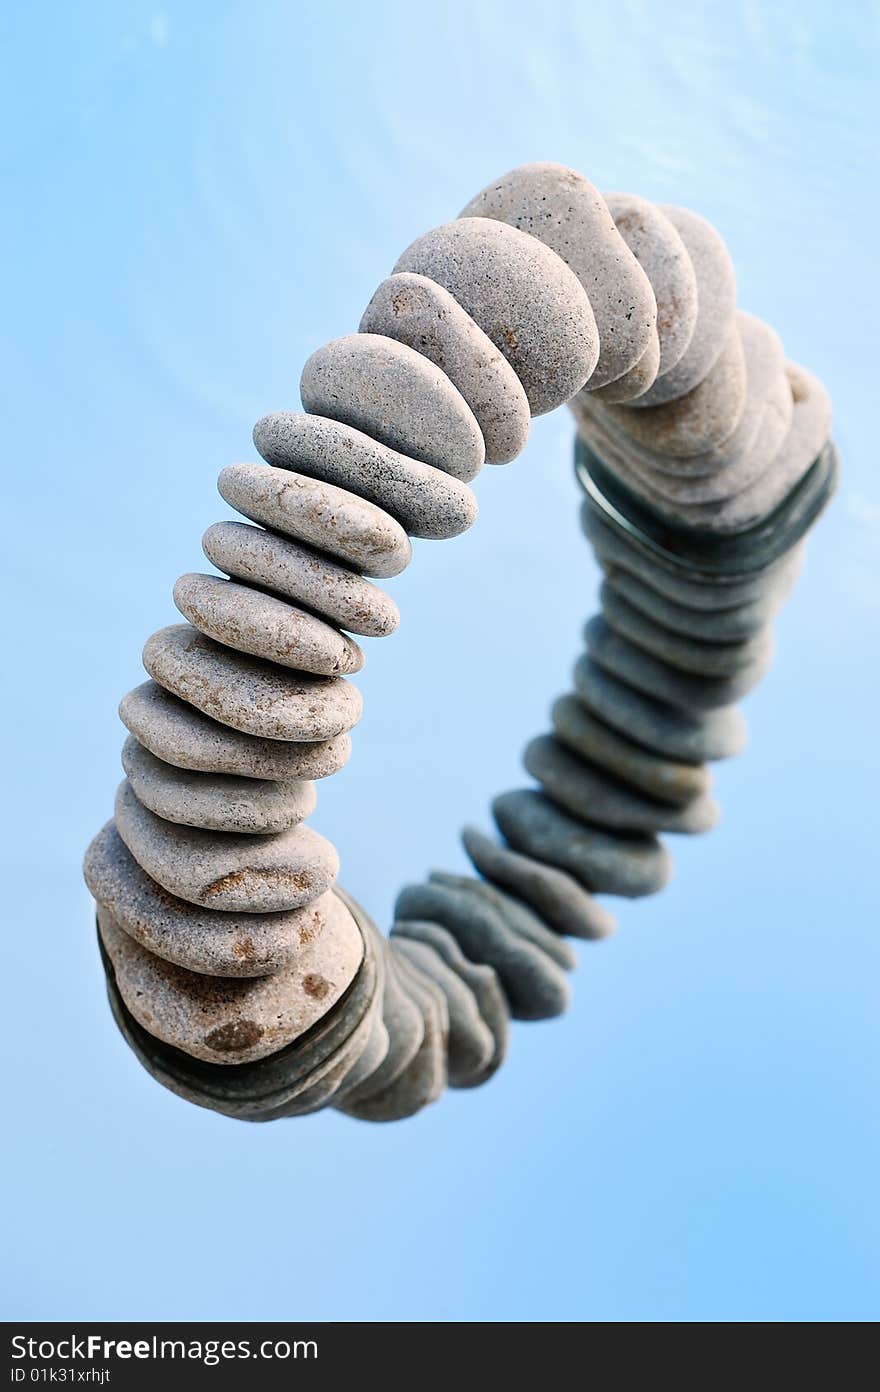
x,y
658,679
471,1045
301,574
532,307
517,915
657,246
319,513
594,740
202,940
215,802
568,214
631,385
563,903
244,874
421,314
425,501
181,735
228,1021
621,863
397,396
247,693
583,789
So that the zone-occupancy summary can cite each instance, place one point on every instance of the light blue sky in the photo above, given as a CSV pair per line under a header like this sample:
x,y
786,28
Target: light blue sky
x,y
197,196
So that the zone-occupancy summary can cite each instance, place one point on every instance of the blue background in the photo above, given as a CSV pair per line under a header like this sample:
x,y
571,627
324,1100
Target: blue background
x,y
197,196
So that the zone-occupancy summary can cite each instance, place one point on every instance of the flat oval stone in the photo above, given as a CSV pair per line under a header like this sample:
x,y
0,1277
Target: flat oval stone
x,y
581,788
716,302
659,777
215,802
631,385
659,250
405,1026
418,312
691,736
470,1046
424,500
301,574
610,863
202,940
319,513
181,735
568,214
391,392
535,986
522,295
714,625
365,1065
241,874
256,623
555,895
234,1021
698,655
656,678
482,982
247,693
517,915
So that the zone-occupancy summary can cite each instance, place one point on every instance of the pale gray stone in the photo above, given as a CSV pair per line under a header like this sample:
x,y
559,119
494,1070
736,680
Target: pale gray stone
x,y
658,679
424,500
631,385
662,778
713,625
533,308
471,1046
397,396
250,695
659,250
241,874
319,513
516,915
697,655
568,214
420,313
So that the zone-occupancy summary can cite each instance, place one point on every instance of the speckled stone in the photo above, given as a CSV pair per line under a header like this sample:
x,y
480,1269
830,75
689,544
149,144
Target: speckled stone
x,y
568,214
421,314
517,915
659,250
691,736
697,655
202,940
240,874
215,802
631,385
619,863
397,396
250,695
482,982
228,1021
532,307
562,903
301,574
181,735
405,1026
712,625
535,986
583,789
424,500
471,1046
595,741
657,678
716,302
320,514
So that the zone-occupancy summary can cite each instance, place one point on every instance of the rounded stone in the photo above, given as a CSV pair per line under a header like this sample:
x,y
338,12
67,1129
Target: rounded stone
x,y
563,903
250,695
180,735
659,250
202,940
241,874
397,396
470,1046
424,500
568,214
256,623
697,655
517,915
716,303
713,625
234,1021
600,799
405,1027
659,679
631,385
622,863
299,573
522,295
658,777
418,312
320,514
215,802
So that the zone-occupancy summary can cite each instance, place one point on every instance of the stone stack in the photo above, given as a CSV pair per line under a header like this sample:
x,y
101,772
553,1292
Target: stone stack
x,y
240,973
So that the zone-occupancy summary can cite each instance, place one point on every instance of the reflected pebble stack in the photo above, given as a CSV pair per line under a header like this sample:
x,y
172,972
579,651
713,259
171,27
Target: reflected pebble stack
x,y
241,974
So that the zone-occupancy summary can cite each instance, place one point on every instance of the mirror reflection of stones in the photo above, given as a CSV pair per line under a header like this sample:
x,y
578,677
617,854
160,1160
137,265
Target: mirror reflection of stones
x,y
239,972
